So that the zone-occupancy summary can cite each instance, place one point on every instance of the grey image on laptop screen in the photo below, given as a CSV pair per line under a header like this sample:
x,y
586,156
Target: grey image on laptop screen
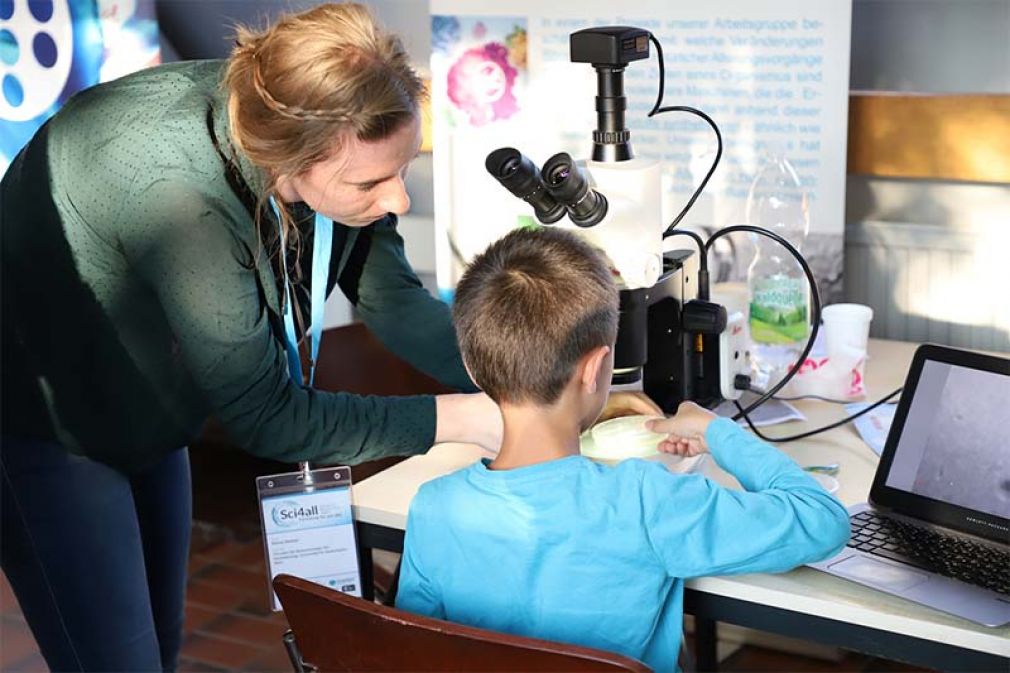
x,y
955,446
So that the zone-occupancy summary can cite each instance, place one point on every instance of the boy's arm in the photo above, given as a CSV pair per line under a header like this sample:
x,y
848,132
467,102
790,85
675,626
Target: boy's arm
x,y
417,593
783,519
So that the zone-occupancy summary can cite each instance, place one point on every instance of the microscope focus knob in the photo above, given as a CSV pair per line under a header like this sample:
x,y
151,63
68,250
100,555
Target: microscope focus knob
x,y
703,317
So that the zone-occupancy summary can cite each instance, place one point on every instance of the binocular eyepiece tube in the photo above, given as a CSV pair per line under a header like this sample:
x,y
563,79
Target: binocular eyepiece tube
x,y
568,184
561,187
521,176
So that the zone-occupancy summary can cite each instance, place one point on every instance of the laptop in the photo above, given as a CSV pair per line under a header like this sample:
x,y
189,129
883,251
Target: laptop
x,y
936,529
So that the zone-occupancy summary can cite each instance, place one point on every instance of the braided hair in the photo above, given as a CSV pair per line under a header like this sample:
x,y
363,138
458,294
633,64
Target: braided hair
x,y
299,89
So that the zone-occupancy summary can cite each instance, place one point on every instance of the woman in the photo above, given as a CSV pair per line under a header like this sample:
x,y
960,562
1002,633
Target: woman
x,y
153,221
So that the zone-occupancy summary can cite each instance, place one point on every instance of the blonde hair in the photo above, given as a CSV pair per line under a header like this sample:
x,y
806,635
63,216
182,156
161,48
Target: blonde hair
x,y
298,89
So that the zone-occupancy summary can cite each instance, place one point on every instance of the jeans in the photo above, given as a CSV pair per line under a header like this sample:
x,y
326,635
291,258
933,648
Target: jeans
x,y
97,558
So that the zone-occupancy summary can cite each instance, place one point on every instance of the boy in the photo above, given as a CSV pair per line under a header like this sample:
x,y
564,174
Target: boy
x,y
543,542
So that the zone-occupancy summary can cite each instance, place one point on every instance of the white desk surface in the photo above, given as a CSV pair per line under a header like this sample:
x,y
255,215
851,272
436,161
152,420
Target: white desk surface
x,y
384,500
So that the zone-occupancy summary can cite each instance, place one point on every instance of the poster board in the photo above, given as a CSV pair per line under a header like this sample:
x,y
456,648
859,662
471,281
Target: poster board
x,y
774,75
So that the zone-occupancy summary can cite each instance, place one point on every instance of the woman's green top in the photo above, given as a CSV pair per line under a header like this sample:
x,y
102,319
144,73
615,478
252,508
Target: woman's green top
x,y
139,297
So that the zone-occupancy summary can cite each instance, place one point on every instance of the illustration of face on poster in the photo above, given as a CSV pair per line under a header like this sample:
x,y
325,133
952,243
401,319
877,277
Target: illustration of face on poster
x,y
51,49
479,102
482,67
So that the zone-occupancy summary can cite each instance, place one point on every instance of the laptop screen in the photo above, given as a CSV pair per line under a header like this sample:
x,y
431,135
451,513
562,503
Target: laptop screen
x,y
955,444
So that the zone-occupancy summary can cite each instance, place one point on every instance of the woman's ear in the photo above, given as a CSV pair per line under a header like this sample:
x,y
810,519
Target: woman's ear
x,y
287,190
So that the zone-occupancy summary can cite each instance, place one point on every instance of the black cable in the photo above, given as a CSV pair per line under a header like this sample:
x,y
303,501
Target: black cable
x,y
662,74
815,301
656,109
697,239
702,261
703,265
797,398
703,281
711,170
810,433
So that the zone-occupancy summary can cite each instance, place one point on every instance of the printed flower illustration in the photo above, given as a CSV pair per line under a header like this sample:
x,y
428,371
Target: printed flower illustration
x,y
516,41
444,33
481,82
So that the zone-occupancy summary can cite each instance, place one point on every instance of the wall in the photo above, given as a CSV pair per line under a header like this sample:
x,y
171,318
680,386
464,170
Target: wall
x,y
924,46
926,254
936,46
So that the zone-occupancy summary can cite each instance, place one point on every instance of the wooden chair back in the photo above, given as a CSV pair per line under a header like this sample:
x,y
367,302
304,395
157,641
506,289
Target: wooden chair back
x,y
337,632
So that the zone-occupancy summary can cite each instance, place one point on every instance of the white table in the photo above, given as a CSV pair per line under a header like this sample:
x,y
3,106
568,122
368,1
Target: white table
x,y
803,603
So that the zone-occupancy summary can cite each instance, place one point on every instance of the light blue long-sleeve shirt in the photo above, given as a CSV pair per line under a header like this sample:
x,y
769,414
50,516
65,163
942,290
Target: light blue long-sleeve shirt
x,y
577,552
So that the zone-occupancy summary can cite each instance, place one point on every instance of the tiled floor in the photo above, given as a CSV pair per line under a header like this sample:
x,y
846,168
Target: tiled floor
x,y
228,627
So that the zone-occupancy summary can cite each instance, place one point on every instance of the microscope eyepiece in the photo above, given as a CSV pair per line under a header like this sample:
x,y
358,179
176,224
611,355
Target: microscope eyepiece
x,y
558,174
509,167
568,185
521,176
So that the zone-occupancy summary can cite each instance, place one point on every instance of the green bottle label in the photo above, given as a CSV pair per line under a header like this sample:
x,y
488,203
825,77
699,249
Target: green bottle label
x,y
778,310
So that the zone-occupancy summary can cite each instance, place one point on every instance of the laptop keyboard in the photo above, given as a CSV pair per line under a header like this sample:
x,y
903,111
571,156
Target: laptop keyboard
x,y
921,547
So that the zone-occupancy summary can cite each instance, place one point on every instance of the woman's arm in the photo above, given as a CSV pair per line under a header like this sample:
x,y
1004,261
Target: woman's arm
x,y
470,418
190,255
393,304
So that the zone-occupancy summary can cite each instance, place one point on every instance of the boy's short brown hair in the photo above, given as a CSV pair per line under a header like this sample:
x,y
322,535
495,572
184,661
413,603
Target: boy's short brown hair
x,y
528,308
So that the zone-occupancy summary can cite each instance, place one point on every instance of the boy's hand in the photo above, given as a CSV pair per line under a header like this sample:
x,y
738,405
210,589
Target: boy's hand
x,y
685,431
628,403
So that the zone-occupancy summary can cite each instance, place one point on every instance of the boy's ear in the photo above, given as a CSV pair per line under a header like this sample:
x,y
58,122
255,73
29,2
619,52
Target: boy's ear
x,y
470,374
592,364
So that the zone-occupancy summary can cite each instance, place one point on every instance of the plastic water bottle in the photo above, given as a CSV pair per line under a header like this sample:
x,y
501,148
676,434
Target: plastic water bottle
x,y
779,293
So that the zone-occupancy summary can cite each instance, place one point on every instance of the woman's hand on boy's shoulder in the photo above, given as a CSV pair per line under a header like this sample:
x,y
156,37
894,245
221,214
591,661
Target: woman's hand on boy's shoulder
x,y
470,418
628,403
685,430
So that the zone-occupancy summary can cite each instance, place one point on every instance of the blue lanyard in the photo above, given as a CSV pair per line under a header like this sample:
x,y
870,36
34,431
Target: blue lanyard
x,y
322,246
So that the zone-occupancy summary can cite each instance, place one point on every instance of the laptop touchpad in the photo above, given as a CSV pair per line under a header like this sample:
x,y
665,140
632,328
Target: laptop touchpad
x,y
878,573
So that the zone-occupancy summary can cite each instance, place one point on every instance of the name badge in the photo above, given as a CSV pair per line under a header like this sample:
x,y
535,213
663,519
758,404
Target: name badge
x,y
308,530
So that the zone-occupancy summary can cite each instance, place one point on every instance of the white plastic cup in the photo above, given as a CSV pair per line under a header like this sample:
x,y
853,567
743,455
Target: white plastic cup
x,y
846,327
